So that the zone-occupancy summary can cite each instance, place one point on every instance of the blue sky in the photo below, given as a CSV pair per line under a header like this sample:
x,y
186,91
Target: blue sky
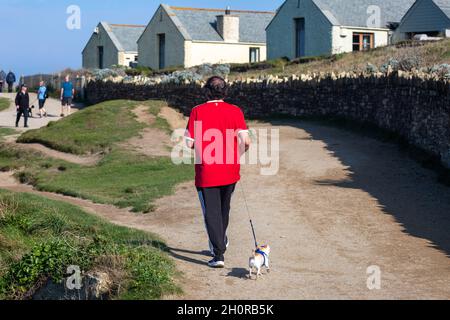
x,y
35,39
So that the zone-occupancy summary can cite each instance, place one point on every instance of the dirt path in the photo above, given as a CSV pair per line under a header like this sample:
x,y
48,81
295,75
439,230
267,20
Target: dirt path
x,y
89,160
340,204
151,141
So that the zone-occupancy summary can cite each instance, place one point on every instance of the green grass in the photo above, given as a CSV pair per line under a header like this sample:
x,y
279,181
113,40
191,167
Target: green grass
x,y
4,104
39,238
122,178
6,132
91,130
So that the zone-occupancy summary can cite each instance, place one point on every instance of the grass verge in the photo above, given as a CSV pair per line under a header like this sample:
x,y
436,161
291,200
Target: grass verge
x,y
4,104
121,178
6,132
39,238
91,130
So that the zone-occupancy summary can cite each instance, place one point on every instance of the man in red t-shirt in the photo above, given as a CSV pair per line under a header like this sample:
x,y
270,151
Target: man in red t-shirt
x,y
219,135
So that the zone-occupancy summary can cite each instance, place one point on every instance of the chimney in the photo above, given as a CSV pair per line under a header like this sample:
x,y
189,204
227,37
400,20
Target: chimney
x,y
228,26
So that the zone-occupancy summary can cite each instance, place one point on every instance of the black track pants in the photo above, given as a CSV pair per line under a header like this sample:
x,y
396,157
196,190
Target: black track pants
x,y
215,203
21,112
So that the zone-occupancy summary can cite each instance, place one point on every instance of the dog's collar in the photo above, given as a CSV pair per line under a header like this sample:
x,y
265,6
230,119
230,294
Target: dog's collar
x,y
263,254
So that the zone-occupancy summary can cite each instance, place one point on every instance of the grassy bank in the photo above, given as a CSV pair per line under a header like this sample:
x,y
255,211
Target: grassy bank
x,y
122,178
39,238
91,130
6,132
4,104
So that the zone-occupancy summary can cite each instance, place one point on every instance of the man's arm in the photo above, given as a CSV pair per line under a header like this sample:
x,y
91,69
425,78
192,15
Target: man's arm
x,y
17,101
62,92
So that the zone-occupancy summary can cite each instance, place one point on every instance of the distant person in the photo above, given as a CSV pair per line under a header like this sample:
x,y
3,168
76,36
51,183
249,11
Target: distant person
x,y
2,79
42,97
10,79
22,105
67,94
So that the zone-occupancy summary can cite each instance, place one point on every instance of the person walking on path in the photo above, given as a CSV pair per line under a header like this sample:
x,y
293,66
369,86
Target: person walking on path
x,y
2,80
22,105
10,79
217,172
67,95
42,97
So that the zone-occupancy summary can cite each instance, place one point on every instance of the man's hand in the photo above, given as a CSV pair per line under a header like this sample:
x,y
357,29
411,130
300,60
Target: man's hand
x,y
244,141
190,143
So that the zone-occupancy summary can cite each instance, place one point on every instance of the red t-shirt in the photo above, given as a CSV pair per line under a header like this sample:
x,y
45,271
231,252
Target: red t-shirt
x,y
214,128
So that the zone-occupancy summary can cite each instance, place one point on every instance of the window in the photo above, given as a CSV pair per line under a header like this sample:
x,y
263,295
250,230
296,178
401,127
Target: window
x,y
363,41
255,55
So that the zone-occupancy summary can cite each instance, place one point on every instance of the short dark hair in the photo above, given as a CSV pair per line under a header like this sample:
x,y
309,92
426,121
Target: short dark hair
x,y
215,88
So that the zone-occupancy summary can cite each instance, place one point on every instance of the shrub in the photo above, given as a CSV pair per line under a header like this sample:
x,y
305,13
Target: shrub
x,y
410,63
44,260
371,68
139,71
392,64
441,70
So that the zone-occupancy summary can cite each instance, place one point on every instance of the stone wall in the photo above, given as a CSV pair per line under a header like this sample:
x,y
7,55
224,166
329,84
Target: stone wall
x,y
416,109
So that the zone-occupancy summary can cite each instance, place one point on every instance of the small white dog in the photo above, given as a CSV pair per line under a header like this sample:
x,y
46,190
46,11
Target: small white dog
x,y
260,259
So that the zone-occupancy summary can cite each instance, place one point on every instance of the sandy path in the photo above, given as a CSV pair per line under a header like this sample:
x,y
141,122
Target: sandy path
x,y
151,141
340,204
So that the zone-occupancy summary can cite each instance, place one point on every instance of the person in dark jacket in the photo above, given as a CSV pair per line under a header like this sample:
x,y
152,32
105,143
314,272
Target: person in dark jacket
x,y
10,79
22,105
2,79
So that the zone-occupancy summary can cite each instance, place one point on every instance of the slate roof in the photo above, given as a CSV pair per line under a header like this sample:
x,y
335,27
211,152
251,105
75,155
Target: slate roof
x,y
354,12
124,36
201,24
444,5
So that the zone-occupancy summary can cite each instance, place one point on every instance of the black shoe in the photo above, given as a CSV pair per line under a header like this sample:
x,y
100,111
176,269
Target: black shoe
x,y
17,125
25,126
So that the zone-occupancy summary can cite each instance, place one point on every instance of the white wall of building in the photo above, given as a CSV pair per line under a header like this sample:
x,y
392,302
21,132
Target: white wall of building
x,y
126,57
342,38
198,53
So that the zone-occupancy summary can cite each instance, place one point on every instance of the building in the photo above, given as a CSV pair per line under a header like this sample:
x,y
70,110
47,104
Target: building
x,y
430,17
188,37
323,27
112,44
